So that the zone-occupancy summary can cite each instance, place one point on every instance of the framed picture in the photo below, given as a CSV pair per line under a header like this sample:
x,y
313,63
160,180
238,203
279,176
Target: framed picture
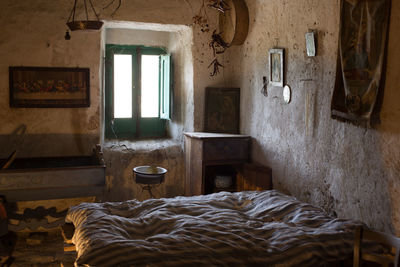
x,y
48,87
222,110
360,75
275,61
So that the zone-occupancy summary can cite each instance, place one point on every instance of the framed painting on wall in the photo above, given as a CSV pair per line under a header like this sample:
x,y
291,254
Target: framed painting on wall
x,y
222,110
360,77
275,61
49,87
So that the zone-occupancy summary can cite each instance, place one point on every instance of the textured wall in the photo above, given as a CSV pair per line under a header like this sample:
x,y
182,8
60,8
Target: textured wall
x,y
122,157
350,171
33,35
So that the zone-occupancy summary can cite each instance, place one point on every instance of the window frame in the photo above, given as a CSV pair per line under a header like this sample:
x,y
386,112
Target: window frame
x,y
135,127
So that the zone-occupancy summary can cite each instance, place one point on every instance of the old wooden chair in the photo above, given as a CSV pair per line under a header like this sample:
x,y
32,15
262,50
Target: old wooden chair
x,y
389,257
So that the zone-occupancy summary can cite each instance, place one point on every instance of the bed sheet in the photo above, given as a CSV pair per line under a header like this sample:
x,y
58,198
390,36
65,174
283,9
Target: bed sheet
x,y
250,228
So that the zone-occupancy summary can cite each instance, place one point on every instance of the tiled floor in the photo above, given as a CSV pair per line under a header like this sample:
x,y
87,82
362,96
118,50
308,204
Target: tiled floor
x,y
50,252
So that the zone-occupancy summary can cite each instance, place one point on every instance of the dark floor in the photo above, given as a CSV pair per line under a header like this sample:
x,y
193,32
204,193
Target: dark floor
x,y
42,249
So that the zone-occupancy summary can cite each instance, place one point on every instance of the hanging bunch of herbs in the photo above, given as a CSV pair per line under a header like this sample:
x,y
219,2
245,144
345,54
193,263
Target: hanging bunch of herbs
x,y
219,5
217,44
201,18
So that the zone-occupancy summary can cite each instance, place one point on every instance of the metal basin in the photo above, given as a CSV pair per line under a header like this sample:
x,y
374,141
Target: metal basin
x,y
149,174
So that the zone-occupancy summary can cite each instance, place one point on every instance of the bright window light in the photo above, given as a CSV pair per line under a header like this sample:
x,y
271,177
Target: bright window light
x,y
122,86
149,98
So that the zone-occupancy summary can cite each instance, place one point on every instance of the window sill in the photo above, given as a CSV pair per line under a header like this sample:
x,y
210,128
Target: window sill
x,y
141,145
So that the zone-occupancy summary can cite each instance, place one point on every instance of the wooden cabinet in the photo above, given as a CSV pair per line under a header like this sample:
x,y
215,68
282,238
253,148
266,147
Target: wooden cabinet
x,y
252,176
209,154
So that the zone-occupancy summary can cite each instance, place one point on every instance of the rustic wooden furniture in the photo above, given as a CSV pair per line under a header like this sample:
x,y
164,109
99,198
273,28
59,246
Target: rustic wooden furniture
x,y
31,179
209,154
385,258
252,176
69,177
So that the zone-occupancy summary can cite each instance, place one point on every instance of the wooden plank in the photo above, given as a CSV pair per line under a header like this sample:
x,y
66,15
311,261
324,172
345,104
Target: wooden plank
x,y
188,164
52,178
254,177
197,168
52,193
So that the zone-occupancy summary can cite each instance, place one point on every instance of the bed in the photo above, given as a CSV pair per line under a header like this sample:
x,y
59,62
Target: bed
x,y
248,228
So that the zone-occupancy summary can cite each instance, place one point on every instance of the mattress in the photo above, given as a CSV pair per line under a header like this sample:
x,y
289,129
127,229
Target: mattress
x,y
249,228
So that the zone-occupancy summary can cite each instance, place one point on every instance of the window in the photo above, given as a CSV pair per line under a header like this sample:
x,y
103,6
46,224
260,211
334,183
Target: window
x,y
137,91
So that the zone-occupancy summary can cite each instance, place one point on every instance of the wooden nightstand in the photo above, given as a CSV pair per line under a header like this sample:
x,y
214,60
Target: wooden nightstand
x,y
209,154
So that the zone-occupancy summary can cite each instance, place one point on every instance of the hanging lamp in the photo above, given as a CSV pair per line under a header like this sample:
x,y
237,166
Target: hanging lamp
x,y
87,24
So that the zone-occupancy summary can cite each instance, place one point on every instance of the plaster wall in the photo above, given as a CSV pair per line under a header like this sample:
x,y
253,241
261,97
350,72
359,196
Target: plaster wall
x,y
33,35
121,157
137,37
349,171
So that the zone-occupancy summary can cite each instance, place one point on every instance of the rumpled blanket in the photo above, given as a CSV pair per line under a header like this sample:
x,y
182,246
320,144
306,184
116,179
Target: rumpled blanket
x,y
250,228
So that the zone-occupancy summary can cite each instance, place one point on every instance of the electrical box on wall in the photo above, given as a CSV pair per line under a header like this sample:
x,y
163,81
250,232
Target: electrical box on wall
x,y
311,46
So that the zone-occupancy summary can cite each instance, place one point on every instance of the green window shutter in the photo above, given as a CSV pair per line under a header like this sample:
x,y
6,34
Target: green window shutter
x,y
118,127
166,93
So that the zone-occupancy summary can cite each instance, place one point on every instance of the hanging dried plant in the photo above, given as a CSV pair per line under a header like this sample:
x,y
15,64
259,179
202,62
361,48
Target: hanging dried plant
x,y
116,9
216,65
201,18
219,5
217,44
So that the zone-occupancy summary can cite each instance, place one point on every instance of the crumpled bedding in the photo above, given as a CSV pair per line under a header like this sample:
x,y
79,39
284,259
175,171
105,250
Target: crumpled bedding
x,y
251,228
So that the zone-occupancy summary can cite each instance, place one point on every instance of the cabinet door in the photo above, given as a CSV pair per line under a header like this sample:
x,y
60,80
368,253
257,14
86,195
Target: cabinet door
x,y
254,177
